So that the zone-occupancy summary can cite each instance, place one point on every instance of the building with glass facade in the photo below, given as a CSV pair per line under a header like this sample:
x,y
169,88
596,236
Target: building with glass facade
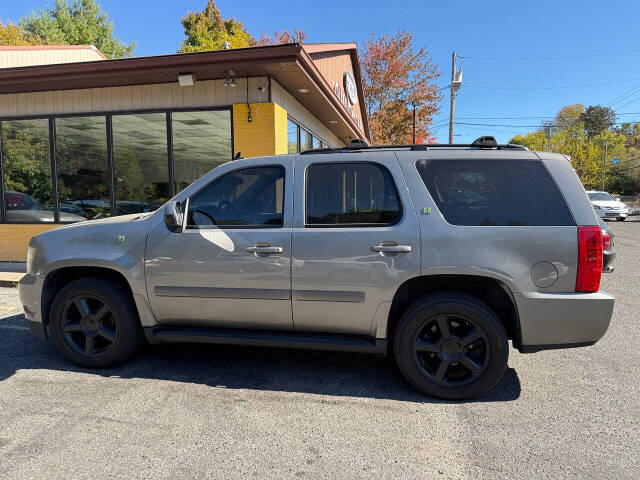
x,y
98,138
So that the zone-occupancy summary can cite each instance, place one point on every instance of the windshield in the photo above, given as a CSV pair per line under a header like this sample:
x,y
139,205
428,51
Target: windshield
x,y
601,196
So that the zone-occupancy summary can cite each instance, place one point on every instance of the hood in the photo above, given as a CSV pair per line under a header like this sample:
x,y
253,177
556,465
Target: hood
x,y
608,203
93,225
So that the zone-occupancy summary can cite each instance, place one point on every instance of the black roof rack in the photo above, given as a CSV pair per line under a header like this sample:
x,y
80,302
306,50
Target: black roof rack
x,y
481,143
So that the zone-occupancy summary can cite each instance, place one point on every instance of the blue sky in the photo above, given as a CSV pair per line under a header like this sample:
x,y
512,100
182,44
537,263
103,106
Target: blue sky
x,y
512,33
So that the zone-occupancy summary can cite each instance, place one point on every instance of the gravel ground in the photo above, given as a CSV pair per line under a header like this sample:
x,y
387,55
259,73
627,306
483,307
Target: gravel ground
x,y
237,412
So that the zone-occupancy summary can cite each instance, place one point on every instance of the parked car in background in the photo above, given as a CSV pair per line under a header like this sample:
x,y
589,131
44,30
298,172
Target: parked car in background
x,y
608,250
445,252
606,206
24,208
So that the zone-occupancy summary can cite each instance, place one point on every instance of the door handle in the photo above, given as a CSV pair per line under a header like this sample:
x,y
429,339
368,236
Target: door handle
x,y
262,248
391,248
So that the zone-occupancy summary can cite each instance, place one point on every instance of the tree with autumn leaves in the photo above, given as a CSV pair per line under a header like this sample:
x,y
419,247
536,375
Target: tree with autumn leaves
x,y
395,74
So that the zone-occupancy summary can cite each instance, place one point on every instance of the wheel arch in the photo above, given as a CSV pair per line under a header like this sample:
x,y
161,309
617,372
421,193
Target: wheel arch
x,y
57,278
495,293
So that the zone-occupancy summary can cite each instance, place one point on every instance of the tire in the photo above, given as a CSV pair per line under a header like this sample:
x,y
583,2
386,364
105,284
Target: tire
x,y
94,323
473,355
621,219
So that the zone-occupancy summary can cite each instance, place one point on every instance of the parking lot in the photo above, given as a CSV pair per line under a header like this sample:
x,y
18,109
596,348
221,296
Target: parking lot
x,y
238,412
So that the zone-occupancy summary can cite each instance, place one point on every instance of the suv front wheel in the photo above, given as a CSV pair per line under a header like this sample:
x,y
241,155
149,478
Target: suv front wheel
x,y
94,323
451,345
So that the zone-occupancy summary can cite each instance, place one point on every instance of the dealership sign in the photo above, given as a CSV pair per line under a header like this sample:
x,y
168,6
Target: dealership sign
x,y
348,96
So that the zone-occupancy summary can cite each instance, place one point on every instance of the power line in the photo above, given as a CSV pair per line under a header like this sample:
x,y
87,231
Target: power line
x,y
567,57
630,101
528,126
619,98
488,87
532,117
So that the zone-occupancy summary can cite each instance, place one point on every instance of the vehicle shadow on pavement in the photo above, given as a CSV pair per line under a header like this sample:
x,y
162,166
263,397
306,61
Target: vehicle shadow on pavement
x,y
238,367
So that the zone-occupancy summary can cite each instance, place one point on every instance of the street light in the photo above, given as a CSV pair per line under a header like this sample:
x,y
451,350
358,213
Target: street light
x,y
414,104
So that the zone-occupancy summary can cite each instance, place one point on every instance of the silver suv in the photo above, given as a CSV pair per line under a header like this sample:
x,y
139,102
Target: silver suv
x,y
440,253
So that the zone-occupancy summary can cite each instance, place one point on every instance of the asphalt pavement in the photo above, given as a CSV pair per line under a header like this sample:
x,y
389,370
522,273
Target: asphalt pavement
x,y
239,412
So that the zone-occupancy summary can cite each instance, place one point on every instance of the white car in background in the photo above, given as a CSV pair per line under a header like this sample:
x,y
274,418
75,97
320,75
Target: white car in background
x,y
608,207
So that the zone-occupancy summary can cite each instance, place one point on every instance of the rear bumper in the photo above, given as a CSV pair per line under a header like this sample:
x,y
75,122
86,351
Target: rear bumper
x,y
562,320
608,258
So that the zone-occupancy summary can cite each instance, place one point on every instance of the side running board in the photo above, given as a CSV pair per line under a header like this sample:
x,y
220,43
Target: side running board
x,y
266,338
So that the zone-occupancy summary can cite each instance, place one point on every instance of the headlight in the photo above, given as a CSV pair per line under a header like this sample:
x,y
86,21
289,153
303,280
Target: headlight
x,y
596,207
31,253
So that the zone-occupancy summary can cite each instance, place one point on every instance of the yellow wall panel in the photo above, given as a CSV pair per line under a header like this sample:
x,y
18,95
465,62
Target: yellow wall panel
x,y
257,137
14,240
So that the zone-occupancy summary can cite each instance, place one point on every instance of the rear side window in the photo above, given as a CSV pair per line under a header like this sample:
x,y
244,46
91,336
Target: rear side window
x,y
495,192
351,194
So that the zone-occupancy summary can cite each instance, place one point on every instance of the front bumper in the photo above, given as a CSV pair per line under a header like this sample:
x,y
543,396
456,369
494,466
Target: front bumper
x,y
562,320
30,290
612,213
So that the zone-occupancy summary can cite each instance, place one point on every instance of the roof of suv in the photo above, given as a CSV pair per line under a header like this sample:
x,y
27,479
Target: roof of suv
x,y
480,143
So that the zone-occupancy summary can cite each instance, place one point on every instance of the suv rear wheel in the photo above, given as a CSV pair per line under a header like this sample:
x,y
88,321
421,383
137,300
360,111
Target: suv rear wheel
x,y
451,345
94,323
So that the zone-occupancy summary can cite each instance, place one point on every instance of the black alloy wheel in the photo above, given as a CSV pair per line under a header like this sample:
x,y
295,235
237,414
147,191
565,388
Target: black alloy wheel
x,y
451,345
94,322
89,325
451,350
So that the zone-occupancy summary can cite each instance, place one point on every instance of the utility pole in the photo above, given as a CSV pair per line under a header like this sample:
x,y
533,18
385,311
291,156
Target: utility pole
x,y
414,104
453,96
604,161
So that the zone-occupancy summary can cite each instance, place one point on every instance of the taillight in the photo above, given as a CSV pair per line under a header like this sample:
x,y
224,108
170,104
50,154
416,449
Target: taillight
x,y
606,241
590,243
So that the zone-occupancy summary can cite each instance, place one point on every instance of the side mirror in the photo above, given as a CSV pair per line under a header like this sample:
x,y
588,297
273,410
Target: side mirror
x,y
617,199
173,216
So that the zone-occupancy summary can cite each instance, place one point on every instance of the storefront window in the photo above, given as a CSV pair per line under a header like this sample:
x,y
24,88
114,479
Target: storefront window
x,y
141,173
305,140
201,142
26,160
292,137
82,168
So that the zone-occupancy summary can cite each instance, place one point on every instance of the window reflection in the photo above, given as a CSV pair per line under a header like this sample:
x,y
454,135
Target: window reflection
x,y
251,197
201,142
292,137
27,170
305,140
351,193
82,168
140,162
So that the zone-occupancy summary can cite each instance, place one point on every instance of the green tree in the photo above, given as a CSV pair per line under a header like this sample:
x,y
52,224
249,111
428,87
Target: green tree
x,y
81,23
207,30
597,119
586,149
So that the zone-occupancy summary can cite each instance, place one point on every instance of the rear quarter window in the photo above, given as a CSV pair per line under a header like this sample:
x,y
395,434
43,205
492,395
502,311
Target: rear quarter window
x,y
495,192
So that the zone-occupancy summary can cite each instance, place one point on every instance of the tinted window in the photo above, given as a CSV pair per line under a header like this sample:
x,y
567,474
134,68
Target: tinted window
x,y
81,156
292,137
141,168
251,197
351,193
201,142
27,171
494,192
305,140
